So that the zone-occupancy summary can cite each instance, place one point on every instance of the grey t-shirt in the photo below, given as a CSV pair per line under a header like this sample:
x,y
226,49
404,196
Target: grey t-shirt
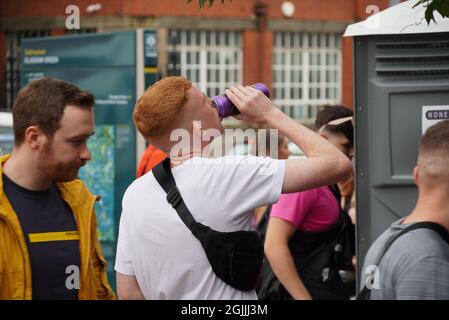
x,y
415,267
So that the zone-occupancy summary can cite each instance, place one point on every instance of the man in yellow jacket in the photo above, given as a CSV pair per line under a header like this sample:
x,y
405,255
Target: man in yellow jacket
x,y
48,230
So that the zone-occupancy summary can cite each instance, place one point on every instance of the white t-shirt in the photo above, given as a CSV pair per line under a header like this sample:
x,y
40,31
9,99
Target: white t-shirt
x,y
157,248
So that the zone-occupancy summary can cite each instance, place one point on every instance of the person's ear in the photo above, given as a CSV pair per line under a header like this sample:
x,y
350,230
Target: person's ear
x,y
416,175
34,137
324,135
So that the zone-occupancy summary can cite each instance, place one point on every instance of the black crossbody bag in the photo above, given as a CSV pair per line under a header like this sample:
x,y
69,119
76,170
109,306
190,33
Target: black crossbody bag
x,y
365,293
235,257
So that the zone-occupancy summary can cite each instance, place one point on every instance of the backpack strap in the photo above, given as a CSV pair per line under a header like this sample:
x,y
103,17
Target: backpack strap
x,y
162,173
336,192
365,292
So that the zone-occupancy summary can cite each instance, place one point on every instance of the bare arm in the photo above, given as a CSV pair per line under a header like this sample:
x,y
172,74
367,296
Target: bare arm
x,y
278,253
325,163
128,288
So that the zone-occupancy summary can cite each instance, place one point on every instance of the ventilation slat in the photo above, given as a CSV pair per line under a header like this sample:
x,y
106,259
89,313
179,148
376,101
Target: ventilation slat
x,y
413,44
393,54
414,57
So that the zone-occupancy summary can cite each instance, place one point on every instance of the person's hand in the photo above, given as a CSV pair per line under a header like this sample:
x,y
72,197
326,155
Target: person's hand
x,y
254,106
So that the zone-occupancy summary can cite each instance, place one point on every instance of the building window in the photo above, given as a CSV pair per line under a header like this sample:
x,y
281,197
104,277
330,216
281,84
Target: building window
x,y
212,60
13,42
306,72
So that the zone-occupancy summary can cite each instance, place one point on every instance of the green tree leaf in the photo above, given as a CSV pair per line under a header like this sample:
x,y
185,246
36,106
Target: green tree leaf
x,y
429,13
441,6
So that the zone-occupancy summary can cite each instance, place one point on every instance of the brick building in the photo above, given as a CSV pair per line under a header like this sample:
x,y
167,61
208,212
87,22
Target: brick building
x,y
298,51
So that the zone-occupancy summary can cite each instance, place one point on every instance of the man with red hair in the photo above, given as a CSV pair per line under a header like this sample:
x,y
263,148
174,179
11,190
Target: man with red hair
x,y
157,255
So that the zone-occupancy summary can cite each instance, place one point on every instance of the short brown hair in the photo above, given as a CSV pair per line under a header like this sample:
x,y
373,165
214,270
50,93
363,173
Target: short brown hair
x,y
436,138
433,157
42,103
158,108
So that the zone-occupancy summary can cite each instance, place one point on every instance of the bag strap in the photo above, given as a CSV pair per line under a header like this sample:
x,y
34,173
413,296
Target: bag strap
x,y
336,192
364,293
162,173
341,219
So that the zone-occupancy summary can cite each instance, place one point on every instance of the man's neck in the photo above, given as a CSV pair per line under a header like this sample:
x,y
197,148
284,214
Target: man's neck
x,y
23,172
432,207
179,159
184,156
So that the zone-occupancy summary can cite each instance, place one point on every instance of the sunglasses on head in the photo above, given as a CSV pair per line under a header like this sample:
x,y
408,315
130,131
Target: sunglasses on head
x,y
337,122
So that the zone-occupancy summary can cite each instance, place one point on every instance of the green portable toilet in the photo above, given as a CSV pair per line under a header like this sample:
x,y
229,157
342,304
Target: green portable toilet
x,y
401,67
116,67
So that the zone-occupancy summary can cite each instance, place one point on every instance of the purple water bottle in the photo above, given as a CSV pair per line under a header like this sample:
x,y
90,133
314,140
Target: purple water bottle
x,y
225,106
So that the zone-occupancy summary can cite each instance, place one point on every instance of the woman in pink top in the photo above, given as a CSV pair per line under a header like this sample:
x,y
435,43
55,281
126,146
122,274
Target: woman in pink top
x,y
311,212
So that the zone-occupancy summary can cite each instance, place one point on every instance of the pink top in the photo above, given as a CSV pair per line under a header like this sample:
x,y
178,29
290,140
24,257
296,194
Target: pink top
x,y
311,210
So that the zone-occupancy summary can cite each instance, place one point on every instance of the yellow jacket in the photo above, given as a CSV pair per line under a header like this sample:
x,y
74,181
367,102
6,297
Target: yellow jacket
x,y
15,268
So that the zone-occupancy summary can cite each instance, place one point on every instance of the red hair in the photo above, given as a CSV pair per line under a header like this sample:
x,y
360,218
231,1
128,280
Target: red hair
x,y
158,108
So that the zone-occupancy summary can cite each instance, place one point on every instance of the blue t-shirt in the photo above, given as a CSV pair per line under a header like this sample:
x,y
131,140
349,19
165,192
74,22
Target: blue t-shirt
x,y
51,235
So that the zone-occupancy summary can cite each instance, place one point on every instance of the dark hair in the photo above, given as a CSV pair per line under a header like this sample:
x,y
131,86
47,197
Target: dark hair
x,y
436,138
329,113
42,103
